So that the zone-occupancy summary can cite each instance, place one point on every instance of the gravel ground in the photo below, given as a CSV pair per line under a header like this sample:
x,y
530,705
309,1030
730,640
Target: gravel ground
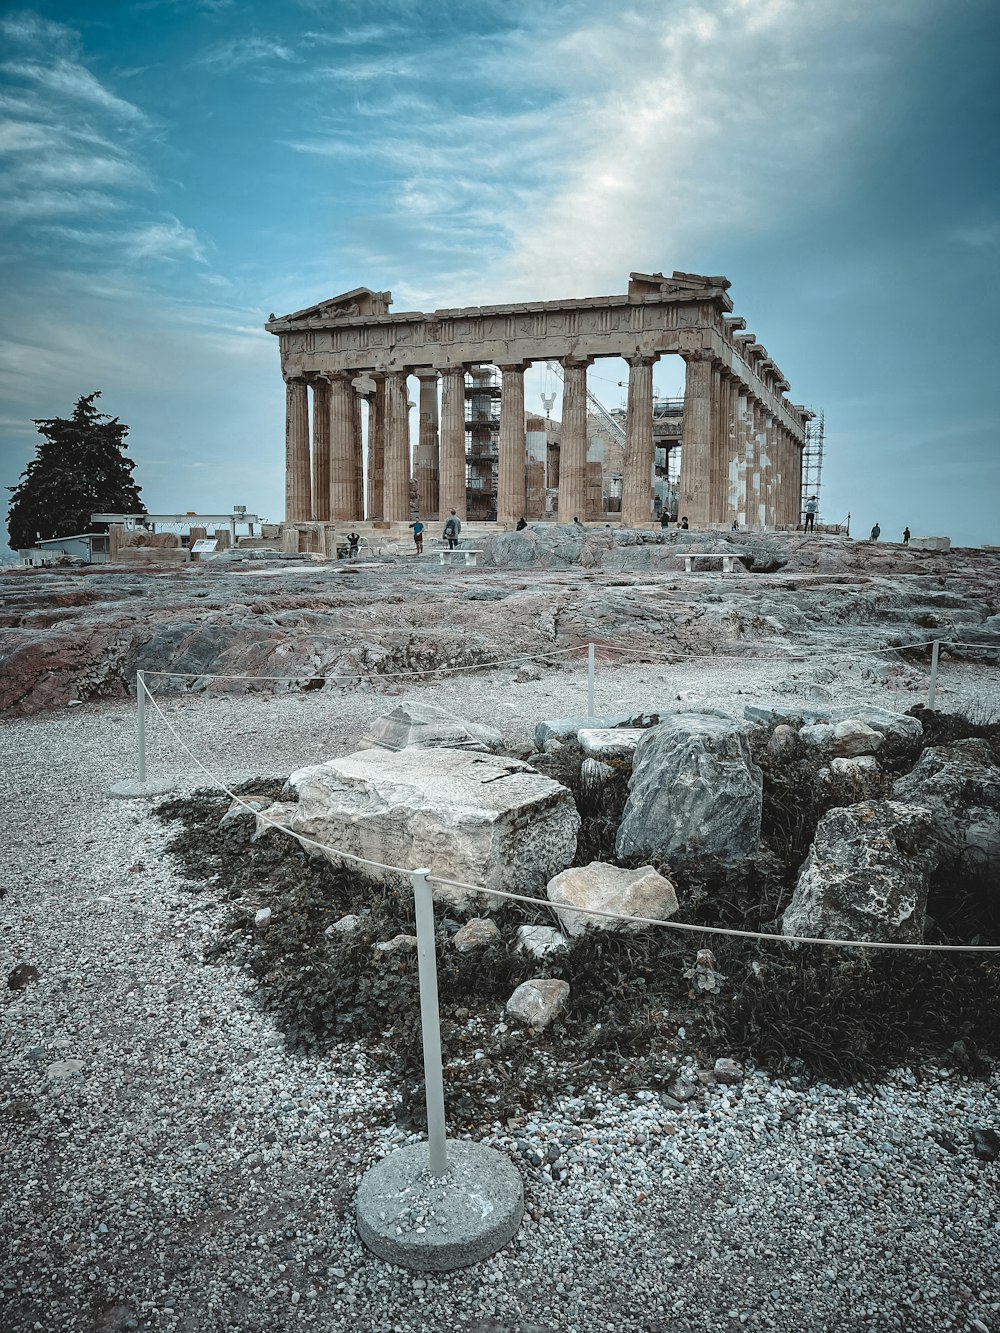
x,y
169,1165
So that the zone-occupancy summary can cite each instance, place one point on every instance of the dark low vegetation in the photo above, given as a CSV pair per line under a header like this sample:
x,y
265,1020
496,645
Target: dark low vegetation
x,y
843,1015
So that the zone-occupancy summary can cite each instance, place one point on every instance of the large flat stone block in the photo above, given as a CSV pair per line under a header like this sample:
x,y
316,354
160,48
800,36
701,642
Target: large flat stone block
x,y
491,822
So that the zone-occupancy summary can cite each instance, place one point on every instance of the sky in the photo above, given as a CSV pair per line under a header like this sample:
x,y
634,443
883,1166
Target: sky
x,y
175,170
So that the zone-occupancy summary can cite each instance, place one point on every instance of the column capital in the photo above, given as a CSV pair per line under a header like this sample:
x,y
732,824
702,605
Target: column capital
x,y
294,379
511,367
576,362
426,375
643,359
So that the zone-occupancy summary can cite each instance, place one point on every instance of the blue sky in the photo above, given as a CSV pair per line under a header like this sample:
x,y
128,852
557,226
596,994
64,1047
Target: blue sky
x,y
175,170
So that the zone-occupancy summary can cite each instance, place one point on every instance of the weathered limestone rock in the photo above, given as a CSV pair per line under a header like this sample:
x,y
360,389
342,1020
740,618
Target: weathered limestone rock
x,y
960,785
594,774
490,822
537,1002
568,728
607,888
854,768
609,743
879,719
540,940
852,738
694,791
866,874
344,925
479,933
426,725
784,741
398,944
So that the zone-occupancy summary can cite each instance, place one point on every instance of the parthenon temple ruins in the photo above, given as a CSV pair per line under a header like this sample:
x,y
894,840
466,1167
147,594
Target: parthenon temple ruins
x,y
740,439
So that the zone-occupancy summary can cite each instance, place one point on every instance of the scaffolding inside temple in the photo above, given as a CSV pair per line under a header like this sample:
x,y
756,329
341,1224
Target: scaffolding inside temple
x,y
812,461
482,436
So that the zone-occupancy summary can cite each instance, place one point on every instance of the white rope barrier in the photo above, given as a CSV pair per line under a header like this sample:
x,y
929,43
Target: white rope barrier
x,y
409,872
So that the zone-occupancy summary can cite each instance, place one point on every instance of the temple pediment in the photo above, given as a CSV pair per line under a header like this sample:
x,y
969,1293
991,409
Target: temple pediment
x,y
362,301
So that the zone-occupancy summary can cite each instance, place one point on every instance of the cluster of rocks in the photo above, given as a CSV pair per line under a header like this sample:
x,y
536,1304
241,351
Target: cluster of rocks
x,y
431,789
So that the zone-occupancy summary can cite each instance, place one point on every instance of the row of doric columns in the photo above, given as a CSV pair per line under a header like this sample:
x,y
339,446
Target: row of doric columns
x,y
738,462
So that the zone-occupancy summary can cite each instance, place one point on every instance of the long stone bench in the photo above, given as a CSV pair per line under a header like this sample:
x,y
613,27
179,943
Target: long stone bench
x,y
728,560
445,554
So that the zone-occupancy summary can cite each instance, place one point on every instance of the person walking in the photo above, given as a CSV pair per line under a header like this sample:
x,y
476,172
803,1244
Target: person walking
x,y
452,527
876,532
812,505
906,536
418,535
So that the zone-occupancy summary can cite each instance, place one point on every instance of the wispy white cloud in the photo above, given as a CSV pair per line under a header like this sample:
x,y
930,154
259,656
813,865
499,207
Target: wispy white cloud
x,y
169,241
249,50
67,78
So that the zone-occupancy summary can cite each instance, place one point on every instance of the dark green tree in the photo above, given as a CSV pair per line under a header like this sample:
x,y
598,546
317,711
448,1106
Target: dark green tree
x,y
79,468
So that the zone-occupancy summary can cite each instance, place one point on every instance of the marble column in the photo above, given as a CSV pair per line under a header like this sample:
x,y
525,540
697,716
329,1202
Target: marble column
x,y
358,511
761,464
716,466
376,449
320,450
573,450
397,448
298,485
770,471
343,483
426,458
513,449
733,475
452,478
637,474
743,455
696,439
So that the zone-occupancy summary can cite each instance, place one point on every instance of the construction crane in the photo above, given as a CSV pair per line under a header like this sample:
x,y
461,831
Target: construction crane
x,y
614,426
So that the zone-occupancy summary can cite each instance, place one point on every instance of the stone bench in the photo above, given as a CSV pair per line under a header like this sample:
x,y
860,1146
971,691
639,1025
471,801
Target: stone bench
x,y
728,560
470,557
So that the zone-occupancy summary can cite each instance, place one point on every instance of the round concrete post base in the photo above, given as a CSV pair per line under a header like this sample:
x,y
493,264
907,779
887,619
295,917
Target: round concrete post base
x,y
132,788
434,1223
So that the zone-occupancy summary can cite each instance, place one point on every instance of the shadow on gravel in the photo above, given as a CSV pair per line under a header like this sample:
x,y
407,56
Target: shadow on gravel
x,y
840,1015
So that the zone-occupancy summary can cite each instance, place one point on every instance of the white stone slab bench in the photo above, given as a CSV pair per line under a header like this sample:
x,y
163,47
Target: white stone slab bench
x,y
728,560
470,557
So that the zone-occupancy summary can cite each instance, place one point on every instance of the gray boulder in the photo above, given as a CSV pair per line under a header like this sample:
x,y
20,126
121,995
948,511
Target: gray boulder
x,y
960,785
694,790
479,933
413,723
866,875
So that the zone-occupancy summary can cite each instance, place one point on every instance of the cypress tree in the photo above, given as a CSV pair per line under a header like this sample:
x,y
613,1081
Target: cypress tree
x,y
79,468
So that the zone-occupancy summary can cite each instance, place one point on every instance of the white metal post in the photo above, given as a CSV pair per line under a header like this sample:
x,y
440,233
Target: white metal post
x,y
140,723
591,711
430,1021
932,687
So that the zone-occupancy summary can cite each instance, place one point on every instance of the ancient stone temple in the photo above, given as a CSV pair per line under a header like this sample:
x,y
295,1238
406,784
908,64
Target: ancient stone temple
x,y
742,440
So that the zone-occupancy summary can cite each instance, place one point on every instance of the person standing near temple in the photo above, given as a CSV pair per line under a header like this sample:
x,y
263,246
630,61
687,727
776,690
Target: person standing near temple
x,y
353,538
906,536
522,523
452,527
418,535
876,532
812,505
